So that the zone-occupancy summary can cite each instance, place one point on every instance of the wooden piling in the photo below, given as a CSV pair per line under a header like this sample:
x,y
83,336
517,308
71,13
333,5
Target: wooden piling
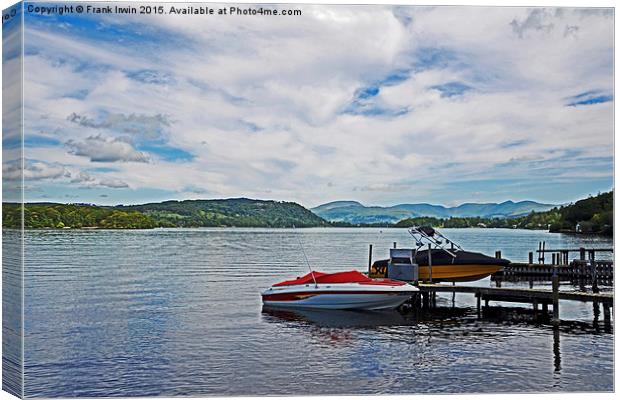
x,y
498,254
606,313
530,258
394,244
478,303
555,285
369,258
594,278
425,302
453,294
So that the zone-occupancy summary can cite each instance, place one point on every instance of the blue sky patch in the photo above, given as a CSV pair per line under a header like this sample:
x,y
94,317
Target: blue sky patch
x,y
373,110
589,97
152,77
451,89
365,93
30,141
167,153
433,58
102,169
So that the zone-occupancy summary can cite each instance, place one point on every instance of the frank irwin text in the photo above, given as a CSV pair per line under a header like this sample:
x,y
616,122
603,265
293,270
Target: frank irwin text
x,y
154,9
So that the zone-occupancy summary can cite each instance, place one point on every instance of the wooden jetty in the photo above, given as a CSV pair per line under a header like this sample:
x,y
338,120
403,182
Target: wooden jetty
x,y
535,297
561,256
580,269
601,269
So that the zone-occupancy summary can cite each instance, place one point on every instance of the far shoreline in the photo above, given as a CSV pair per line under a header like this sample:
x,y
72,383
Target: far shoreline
x,y
90,229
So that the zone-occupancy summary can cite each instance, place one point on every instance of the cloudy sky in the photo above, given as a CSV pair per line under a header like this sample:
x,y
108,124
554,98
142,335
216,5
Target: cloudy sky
x,y
378,104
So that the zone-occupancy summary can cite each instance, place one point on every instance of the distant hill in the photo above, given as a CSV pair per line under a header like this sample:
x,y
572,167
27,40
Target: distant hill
x,y
189,213
355,213
240,212
592,215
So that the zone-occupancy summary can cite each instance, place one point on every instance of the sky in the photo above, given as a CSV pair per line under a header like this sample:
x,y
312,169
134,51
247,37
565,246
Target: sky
x,y
379,104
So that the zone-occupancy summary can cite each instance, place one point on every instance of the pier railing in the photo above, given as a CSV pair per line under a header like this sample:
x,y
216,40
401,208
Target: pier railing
x,y
561,256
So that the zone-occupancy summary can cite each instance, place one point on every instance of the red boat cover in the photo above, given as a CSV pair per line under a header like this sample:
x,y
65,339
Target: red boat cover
x,y
340,277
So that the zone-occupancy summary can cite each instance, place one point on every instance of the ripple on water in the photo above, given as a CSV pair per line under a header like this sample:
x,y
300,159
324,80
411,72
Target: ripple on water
x,y
177,312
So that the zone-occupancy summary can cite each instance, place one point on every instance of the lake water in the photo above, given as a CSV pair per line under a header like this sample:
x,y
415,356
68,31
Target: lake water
x,y
178,312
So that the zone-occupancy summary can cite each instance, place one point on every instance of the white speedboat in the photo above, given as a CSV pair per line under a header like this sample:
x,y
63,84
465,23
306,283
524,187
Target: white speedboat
x,y
350,290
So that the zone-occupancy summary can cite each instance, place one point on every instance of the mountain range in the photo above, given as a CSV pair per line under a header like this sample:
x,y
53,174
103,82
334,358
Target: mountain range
x,y
356,213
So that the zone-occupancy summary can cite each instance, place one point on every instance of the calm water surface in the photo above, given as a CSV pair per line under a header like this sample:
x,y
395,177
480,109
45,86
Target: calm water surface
x,y
178,312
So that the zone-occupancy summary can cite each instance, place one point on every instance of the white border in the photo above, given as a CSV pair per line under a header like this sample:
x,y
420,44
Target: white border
x,y
527,3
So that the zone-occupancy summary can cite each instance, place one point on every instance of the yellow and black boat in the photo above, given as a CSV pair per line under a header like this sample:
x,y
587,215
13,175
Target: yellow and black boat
x,y
449,261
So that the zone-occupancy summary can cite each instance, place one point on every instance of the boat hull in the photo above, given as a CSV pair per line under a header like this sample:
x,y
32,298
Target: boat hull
x,y
339,297
461,266
458,273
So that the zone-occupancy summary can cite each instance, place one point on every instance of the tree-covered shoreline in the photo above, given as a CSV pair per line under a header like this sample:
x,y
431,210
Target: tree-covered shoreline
x,y
170,214
593,215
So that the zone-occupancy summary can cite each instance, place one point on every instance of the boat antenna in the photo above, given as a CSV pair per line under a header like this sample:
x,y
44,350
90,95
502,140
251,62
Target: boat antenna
x,y
305,257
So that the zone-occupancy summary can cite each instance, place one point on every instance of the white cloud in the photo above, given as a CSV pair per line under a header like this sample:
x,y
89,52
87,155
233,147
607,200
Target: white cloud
x,y
261,104
113,183
105,149
33,170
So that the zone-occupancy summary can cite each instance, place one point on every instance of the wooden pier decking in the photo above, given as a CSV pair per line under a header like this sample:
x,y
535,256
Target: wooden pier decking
x,y
544,297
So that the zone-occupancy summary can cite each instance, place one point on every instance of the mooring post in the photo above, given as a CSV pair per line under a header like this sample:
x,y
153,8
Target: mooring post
x,y
478,303
535,305
582,253
594,279
552,258
596,310
498,254
543,252
369,258
555,284
453,294
606,314
430,264
394,244
530,257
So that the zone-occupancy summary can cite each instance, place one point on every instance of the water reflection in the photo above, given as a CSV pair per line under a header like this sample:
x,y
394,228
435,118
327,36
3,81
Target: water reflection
x,y
339,327
185,318
557,356
338,318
